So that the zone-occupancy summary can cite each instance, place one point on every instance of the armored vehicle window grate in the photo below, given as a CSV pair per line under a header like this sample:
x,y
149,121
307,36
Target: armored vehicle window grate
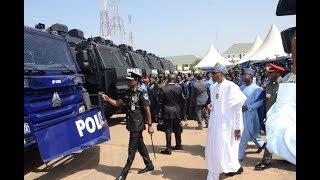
x,y
111,57
155,63
46,53
139,61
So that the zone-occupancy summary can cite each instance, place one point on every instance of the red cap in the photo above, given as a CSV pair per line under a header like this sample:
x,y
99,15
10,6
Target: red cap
x,y
273,67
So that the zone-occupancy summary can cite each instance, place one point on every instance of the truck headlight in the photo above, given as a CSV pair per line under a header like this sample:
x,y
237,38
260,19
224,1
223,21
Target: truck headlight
x,y
100,118
79,79
82,109
26,128
26,83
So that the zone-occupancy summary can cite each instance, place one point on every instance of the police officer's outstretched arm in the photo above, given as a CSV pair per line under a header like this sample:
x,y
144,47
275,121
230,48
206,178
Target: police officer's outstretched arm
x,y
113,102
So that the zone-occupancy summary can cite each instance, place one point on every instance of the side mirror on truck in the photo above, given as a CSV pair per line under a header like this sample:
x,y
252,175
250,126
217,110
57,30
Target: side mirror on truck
x,y
82,56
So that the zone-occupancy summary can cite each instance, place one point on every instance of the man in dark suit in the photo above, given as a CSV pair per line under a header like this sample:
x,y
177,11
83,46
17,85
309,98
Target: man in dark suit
x,y
184,87
172,99
191,106
200,98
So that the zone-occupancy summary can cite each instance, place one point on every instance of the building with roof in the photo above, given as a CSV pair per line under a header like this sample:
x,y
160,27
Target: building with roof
x,y
182,62
235,52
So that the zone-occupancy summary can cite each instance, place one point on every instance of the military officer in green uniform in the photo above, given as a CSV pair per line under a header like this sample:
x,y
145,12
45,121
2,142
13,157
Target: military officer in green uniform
x,y
272,85
271,89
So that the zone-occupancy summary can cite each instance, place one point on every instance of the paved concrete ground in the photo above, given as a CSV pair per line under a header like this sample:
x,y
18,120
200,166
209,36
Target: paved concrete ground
x,y
106,160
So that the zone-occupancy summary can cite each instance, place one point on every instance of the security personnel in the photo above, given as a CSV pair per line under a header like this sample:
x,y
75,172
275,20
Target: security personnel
x,y
150,84
158,87
172,100
200,97
271,88
137,105
160,84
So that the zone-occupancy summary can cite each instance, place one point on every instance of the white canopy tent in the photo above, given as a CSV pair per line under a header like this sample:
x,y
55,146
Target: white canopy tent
x,y
211,58
255,46
270,49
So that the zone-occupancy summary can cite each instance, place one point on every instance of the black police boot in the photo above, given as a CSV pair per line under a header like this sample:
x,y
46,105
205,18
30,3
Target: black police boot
x,y
262,166
166,151
178,142
168,140
148,167
240,170
122,176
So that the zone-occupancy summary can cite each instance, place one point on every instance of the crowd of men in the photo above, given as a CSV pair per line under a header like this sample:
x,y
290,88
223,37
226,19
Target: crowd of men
x,y
170,99
235,105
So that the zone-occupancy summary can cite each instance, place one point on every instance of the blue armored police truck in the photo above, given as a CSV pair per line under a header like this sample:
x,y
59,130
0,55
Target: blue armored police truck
x,y
58,119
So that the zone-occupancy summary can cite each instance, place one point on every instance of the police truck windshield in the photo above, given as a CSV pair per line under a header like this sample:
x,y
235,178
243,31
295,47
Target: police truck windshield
x,y
111,57
155,63
140,61
43,52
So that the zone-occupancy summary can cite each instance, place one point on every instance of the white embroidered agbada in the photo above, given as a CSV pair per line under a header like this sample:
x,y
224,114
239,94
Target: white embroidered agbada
x,y
221,151
281,123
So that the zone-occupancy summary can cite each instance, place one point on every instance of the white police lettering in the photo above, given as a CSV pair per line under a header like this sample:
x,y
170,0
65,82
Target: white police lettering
x,y
134,70
93,125
80,126
90,124
56,81
99,126
100,118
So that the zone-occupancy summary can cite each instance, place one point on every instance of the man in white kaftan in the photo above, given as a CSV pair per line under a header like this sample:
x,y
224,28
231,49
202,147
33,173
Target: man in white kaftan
x,y
225,127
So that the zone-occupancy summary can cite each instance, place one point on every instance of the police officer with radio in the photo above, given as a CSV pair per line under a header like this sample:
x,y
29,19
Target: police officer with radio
x,y
137,105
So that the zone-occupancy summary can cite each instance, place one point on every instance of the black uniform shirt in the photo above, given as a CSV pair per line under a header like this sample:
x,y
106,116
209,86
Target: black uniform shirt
x,y
134,103
172,101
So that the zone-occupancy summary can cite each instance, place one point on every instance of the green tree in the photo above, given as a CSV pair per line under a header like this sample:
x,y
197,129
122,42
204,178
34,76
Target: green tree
x,y
194,63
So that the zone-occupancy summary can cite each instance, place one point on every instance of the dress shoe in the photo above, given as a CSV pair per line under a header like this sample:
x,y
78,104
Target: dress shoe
x,y
240,170
262,147
166,151
178,148
122,176
262,166
146,169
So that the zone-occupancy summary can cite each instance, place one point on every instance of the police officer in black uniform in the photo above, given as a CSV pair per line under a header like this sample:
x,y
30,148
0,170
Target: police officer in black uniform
x,y
137,104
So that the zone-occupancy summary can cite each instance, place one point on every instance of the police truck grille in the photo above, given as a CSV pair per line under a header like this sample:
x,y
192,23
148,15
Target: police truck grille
x,y
40,108
28,139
